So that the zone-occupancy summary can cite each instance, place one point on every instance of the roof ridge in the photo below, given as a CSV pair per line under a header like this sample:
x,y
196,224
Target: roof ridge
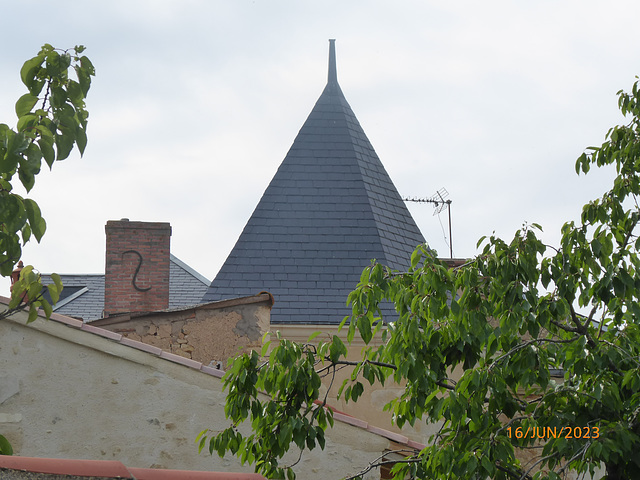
x,y
73,274
189,269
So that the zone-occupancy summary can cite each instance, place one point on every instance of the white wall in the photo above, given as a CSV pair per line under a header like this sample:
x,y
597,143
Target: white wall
x,y
67,393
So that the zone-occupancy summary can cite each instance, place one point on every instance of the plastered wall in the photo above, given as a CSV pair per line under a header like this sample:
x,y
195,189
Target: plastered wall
x,y
67,393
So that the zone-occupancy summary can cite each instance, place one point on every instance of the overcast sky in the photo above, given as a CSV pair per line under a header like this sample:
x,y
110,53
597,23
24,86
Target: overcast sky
x,y
196,103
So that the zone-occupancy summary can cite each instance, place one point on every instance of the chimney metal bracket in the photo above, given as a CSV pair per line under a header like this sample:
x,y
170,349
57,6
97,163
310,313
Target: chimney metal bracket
x,y
135,274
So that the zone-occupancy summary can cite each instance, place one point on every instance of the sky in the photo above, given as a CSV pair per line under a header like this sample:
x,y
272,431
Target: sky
x,y
195,104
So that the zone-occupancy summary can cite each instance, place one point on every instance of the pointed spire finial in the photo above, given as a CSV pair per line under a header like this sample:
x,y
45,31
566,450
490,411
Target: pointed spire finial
x,y
333,75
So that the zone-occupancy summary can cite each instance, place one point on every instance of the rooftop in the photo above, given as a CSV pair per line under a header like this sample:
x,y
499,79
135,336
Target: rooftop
x,y
83,294
330,209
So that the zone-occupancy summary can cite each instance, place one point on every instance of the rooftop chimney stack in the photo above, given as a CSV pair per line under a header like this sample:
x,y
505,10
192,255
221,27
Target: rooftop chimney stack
x,y
136,267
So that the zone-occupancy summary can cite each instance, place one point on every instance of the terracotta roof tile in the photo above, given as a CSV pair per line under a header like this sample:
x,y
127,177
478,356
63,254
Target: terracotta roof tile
x,y
181,360
102,332
344,418
111,469
416,445
141,346
82,468
396,437
216,372
154,474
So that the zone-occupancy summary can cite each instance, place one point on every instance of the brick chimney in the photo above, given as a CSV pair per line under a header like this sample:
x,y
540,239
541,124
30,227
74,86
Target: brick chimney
x,y
137,266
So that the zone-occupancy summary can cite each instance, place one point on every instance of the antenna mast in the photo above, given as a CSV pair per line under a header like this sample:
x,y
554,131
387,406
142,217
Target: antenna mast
x,y
439,201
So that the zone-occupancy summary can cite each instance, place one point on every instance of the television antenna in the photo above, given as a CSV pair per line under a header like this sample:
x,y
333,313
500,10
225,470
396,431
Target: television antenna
x,y
440,202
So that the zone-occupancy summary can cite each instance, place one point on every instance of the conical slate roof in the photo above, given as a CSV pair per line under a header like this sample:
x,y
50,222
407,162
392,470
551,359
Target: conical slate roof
x,y
330,209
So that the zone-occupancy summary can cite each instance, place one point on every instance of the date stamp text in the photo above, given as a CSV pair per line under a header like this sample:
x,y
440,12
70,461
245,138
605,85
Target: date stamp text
x,y
545,433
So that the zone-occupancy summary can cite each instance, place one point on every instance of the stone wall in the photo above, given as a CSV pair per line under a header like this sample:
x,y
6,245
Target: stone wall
x,y
210,334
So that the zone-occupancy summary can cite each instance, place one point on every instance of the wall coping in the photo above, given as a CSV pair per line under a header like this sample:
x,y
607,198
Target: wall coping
x,y
110,469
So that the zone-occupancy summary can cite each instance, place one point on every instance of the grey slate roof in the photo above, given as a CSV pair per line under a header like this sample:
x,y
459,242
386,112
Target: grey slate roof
x,y
87,300
330,209
83,295
186,286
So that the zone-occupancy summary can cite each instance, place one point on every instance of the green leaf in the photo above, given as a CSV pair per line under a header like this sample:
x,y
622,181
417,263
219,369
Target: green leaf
x,y
27,123
54,292
38,225
64,144
28,74
46,147
75,94
57,281
265,349
48,309
33,313
26,233
415,258
455,307
25,103
356,391
364,327
313,335
337,349
5,446
81,140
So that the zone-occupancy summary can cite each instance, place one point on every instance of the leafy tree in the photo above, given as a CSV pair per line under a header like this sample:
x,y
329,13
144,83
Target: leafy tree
x,y
52,119
510,318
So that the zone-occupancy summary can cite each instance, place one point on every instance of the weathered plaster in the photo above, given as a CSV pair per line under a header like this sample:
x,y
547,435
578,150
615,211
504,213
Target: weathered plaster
x,y
208,334
85,396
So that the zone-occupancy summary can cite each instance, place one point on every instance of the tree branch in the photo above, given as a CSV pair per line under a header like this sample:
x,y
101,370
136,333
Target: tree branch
x,y
385,365
379,462
526,344
526,475
7,313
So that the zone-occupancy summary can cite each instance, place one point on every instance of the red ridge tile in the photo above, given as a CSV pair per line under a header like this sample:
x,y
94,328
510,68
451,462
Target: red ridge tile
x,y
140,346
181,360
154,474
82,468
102,332
396,437
344,418
216,372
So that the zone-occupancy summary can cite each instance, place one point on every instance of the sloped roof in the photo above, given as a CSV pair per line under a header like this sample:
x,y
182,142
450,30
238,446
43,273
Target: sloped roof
x,y
330,209
83,294
186,286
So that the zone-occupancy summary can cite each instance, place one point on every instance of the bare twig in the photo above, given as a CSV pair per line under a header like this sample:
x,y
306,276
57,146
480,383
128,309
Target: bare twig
x,y
380,462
